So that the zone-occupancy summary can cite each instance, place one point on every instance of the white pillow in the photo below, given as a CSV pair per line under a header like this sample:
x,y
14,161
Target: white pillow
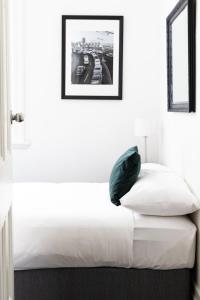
x,y
160,192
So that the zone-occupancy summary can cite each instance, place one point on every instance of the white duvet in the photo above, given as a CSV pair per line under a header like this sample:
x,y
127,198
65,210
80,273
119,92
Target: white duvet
x,y
76,225
70,225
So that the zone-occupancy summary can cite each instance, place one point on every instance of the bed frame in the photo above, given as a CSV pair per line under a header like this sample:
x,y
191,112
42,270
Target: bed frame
x,y
103,284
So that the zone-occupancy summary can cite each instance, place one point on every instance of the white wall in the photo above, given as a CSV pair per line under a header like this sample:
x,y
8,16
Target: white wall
x,y
181,138
180,134
76,140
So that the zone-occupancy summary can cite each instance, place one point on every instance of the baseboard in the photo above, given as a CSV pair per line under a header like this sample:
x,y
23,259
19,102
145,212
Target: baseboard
x,y
196,293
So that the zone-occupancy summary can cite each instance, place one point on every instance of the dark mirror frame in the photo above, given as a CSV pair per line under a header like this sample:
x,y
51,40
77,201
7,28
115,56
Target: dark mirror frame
x,y
189,106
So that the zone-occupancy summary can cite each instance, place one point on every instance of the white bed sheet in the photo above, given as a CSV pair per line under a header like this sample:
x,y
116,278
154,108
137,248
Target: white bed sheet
x,y
163,242
75,225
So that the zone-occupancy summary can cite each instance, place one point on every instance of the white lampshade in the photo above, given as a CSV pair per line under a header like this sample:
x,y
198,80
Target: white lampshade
x,y
141,127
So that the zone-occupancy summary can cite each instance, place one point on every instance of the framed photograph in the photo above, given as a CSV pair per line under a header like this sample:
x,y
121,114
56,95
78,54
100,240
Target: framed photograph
x,y
181,57
92,57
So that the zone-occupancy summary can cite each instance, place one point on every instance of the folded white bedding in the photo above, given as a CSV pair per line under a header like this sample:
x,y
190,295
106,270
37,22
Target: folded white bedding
x,y
163,242
76,225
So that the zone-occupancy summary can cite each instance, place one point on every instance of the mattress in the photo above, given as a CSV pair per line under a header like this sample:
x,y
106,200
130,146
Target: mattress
x,y
61,225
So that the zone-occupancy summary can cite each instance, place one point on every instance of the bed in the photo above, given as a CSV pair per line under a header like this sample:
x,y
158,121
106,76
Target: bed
x,y
71,242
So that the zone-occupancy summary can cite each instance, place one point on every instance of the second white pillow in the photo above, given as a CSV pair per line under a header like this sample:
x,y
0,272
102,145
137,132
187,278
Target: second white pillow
x,y
160,192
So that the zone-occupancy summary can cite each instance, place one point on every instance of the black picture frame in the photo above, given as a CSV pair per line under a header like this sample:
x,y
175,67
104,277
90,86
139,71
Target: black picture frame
x,y
190,105
64,95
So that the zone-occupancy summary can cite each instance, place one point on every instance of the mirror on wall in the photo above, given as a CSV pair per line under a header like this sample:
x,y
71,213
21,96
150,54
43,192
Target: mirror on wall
x,y
181,57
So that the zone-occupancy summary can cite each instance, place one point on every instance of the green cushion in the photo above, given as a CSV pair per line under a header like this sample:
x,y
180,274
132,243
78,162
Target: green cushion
x,y
124,174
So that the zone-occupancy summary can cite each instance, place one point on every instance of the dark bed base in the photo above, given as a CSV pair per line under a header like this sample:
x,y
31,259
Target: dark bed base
x,y
103,284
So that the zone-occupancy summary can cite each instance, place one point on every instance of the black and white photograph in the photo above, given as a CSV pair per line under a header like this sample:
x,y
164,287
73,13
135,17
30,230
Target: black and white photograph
x,y
92,57
92,49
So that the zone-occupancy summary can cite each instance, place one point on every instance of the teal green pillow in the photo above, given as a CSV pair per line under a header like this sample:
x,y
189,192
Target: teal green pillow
x,y
124,174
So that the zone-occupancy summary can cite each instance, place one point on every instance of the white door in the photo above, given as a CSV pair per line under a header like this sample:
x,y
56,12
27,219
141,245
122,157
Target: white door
x,y
6,269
